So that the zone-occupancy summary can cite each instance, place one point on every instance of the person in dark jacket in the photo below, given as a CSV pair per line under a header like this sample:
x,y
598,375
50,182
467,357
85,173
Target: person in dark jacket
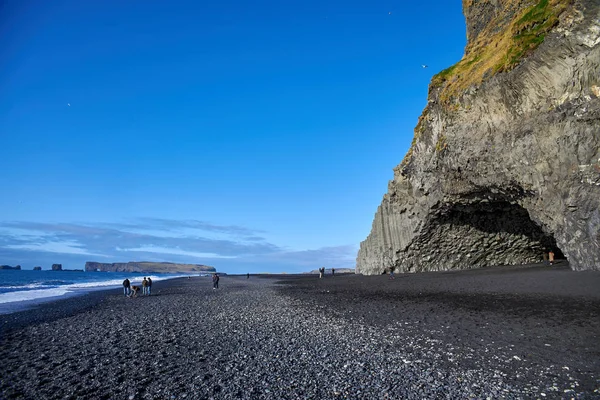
x,y
215,281
126,287
148,286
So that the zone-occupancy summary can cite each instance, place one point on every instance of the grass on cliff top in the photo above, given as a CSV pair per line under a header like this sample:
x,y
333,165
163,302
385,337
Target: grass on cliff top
x,y
497,51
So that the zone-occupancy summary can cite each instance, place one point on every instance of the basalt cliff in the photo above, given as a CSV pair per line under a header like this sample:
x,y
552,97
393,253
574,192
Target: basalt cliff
x,y
505,162
147,266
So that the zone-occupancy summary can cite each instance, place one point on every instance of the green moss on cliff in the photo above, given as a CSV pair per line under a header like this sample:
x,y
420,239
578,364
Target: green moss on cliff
x,y
530,31
495,51
441,144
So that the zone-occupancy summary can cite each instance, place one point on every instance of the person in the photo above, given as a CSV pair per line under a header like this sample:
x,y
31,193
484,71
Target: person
x,y
149,286
144,286
321,271
126,287
551,257
248,275
134,291
215,281
332,271
392,273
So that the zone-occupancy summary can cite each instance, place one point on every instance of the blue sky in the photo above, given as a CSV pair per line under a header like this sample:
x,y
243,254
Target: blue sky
x,y
252,136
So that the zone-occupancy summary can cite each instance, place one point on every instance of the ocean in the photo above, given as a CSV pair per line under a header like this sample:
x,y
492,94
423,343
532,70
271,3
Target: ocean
x,y
22,289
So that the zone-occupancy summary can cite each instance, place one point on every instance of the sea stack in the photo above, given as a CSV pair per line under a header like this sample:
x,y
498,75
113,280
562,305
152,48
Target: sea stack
x,y
505,161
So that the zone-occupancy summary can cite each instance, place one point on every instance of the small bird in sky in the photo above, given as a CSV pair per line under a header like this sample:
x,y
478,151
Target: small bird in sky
x,y
390,13
69,104
424,66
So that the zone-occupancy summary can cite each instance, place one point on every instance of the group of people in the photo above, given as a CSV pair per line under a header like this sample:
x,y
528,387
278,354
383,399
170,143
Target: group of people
x,y
130,290
322,272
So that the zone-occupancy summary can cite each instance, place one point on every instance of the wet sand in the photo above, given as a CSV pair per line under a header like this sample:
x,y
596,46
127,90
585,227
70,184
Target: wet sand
x,y
518,332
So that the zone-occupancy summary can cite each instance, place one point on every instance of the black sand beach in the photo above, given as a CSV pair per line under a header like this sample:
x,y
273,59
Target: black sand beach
x,y
519,332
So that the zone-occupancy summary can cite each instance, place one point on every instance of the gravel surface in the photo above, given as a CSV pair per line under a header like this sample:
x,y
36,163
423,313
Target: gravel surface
x,y
493,333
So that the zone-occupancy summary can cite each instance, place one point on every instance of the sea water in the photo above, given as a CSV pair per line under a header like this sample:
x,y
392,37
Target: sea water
x,y
21,289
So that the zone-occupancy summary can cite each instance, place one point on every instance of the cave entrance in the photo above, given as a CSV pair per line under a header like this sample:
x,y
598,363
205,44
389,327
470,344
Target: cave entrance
x,y
488,233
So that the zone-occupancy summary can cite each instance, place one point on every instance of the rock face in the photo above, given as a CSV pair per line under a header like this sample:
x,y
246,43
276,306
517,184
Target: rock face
x,y
56,267
18,267
37,268
505,163
144,266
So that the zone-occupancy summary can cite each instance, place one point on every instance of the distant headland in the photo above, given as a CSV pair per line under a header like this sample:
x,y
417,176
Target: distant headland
x,y
147,266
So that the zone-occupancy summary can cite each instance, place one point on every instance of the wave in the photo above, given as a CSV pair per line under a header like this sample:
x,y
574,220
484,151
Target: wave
x,y
40,290
28,295
35,285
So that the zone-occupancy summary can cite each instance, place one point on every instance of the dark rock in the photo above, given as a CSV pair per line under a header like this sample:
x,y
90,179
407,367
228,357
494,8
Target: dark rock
x,y
37,268
56,267
508,168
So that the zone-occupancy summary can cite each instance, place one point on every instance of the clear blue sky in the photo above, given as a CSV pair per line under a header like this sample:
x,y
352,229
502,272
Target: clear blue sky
x,y
250,135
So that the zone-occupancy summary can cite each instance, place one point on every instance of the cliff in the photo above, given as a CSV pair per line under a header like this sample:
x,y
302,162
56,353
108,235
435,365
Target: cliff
x,y
505,160
145,266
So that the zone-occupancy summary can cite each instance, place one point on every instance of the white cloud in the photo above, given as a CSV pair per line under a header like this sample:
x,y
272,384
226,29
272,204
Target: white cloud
x,y
167,240
171,250
66,247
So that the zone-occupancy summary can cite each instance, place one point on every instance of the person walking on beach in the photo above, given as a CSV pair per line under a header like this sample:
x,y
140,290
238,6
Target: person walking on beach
x,y
321,272
144,287
551,257
149,286
392,273
332,271
126,287
248,276
215,281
